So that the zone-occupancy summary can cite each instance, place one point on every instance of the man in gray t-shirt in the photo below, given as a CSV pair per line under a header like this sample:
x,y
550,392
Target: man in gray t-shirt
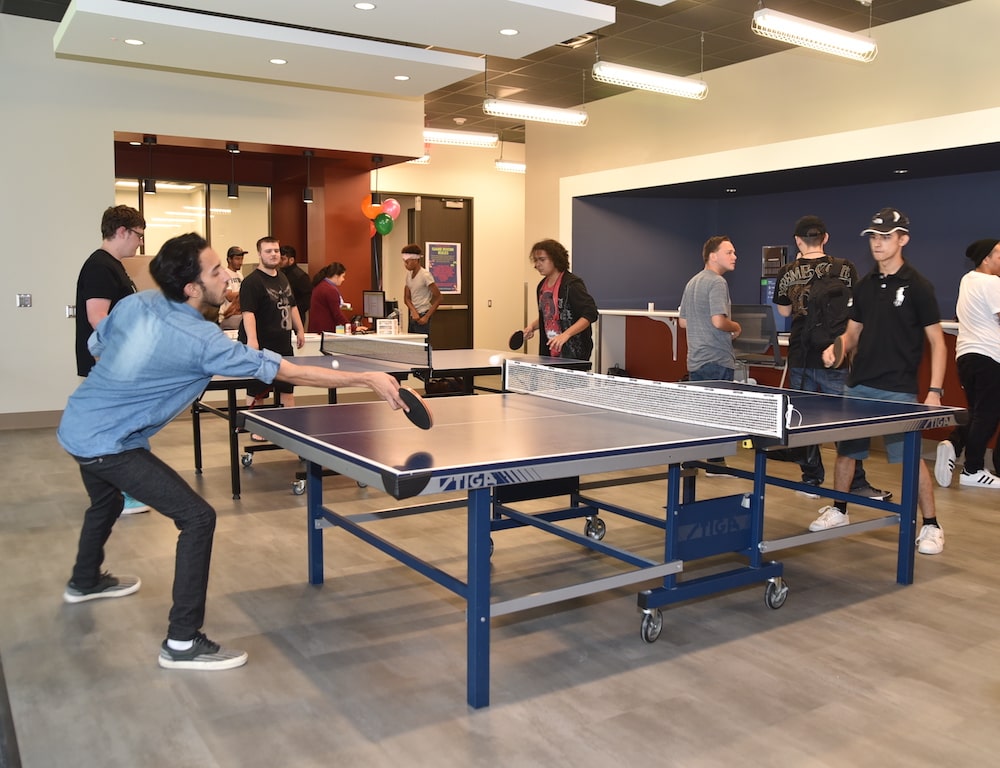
x,y
705,314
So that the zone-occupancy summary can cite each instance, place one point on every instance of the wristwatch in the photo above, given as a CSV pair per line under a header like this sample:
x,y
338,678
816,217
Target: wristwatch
x,y
936,390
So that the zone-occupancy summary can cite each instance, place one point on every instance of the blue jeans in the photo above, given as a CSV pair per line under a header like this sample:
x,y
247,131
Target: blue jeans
x,y
712,372
858,448
143,476
415,327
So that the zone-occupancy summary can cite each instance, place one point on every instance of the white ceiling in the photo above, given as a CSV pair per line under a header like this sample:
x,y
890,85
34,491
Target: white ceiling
x,y
237,38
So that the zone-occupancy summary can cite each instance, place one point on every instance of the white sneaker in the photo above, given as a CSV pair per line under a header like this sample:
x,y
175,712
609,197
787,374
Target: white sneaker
x,y
981,479
931,540
829,517
944,465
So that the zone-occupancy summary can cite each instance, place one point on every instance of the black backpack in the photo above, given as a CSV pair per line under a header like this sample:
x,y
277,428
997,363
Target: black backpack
x,y
828,307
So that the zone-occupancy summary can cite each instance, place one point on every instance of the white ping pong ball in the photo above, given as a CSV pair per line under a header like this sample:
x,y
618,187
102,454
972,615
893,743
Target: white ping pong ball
x,y
496,359
334,363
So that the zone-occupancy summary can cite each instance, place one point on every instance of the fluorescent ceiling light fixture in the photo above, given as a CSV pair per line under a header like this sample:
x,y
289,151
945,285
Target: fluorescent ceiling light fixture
x,y
647,80
365,6
401,78
133,41
278,61
809,34
508,32
509,166
422,160
460,138
518,110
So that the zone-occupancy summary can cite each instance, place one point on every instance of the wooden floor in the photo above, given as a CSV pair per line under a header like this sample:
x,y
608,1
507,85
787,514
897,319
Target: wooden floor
x,y
369,669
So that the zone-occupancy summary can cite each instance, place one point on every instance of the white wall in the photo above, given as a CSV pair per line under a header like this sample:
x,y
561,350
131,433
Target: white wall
x,y
498,231
57,156
932,86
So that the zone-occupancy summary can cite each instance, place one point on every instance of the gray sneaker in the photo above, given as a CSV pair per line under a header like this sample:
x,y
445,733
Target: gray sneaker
x,y
107,586
870,492
204,654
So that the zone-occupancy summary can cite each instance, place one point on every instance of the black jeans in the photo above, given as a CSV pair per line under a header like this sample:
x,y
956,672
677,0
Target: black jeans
x,y
980,378
144,477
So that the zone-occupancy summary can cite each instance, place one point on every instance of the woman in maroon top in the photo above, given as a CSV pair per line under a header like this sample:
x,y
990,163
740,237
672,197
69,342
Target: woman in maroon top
x,y
325,313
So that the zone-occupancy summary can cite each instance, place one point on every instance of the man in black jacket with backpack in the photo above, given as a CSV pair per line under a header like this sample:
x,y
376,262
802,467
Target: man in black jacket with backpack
x,y
815,291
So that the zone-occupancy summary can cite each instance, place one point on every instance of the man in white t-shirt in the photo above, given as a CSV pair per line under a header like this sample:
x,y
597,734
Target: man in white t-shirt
x,y
421,295
229,312
977,353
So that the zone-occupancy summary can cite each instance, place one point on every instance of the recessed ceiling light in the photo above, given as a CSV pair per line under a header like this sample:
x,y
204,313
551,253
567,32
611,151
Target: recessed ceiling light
x,y
278,61
133,41
508,32
401,77
365,6
730,190
901,171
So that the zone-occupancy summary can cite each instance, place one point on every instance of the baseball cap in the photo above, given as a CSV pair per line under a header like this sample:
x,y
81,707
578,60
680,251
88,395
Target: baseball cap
x,y
980,249
886,221
810,226
235,251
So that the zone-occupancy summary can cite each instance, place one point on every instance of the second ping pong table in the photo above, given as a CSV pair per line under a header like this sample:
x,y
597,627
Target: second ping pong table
x,y
400,358
494,447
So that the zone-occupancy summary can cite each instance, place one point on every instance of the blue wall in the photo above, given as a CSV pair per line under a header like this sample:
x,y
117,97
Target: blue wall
x,y
632,251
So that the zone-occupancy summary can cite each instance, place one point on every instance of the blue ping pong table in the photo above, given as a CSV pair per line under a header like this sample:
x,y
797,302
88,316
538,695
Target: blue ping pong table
x,y
462,364
485,445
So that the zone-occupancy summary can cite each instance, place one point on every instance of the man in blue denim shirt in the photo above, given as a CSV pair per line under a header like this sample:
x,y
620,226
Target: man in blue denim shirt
x,y
155,354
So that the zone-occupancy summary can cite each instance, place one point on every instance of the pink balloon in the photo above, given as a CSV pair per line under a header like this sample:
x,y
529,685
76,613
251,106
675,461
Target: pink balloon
x,y
391,206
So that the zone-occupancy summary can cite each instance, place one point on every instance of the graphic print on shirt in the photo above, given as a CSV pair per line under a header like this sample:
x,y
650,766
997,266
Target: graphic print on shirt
x,y
550,318
282,300
796,281
900,297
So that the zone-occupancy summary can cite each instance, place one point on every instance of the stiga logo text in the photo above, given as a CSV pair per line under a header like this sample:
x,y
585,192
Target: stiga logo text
x,y
476,480
936,423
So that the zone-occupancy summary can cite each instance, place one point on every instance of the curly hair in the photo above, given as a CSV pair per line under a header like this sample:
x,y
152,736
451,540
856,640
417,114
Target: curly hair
x,y
556,252
177,264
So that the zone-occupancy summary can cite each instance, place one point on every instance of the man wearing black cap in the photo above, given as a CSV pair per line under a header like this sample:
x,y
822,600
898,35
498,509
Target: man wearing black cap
x,y
977,353
894,311
806,371
229,312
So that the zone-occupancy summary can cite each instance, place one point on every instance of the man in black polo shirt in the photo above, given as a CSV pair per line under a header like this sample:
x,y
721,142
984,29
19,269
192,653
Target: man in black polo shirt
x,y
894,311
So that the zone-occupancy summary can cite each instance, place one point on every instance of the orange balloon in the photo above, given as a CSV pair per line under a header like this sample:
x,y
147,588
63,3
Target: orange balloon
x,y
369,210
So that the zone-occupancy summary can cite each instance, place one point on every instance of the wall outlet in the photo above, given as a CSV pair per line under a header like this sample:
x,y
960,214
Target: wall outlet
x,y
23,300
71,310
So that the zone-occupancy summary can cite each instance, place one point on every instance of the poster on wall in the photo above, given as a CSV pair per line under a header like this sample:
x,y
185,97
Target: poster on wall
x,y
445,265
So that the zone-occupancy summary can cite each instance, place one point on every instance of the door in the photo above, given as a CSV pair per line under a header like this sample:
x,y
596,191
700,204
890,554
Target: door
x,y
439,224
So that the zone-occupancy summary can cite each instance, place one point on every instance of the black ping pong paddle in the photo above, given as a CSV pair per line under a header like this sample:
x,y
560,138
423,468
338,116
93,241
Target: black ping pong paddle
x,y
418,412
516,340
838,352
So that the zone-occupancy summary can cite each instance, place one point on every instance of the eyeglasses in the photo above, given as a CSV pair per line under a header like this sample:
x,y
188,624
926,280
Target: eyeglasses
x,y
140,235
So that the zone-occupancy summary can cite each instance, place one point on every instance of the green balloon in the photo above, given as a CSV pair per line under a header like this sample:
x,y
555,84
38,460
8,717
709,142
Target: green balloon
x,y
383,223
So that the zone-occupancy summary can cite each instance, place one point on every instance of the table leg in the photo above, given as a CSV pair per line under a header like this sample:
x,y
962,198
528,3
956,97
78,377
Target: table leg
x,y
234,441
314,518
196,434
478,600
908,508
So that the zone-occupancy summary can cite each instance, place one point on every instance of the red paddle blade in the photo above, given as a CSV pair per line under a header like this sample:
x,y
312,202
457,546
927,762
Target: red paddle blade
x,y
419,413
516,340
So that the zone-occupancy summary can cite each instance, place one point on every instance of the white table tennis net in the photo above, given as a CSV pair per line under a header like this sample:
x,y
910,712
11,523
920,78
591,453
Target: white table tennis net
x,y
374,347
755,413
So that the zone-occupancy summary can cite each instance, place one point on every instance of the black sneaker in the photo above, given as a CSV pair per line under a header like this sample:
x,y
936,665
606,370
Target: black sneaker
x,y
872,493
204,654
107,586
